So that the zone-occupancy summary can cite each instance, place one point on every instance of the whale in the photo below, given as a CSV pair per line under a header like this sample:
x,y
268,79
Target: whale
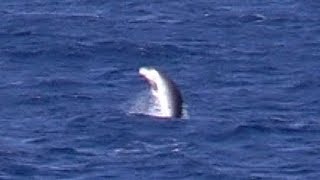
x,y
165,91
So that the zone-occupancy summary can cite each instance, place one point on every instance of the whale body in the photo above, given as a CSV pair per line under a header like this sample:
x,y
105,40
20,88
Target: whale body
x,y
165,91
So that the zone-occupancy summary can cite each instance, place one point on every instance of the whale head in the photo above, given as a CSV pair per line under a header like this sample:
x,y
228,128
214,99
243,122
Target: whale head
x,y
152,76
164,90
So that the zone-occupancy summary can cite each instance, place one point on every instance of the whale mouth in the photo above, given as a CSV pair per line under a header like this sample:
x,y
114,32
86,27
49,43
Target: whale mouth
x,y
152,84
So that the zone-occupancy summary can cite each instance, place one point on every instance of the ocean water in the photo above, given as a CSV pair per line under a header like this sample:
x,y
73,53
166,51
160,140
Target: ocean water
x,y
249,72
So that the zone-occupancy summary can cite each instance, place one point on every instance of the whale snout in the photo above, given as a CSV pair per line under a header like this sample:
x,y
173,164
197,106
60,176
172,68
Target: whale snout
x,y
148,75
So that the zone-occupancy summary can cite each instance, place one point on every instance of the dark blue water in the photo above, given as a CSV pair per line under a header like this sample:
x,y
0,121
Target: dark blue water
x,y
249,72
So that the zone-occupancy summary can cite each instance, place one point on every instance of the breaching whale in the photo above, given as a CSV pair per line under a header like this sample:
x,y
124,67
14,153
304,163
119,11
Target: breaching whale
x,y
165,91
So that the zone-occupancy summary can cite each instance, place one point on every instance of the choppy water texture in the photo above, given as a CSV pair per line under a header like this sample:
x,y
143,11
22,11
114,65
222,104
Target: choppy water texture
x,y
248,71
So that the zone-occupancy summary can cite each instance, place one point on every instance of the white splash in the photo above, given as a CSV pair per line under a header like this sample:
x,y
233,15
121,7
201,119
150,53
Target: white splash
x,y
147,104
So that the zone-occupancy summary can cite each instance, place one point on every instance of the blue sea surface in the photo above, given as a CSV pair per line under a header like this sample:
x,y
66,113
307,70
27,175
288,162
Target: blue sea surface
x,y
249,72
